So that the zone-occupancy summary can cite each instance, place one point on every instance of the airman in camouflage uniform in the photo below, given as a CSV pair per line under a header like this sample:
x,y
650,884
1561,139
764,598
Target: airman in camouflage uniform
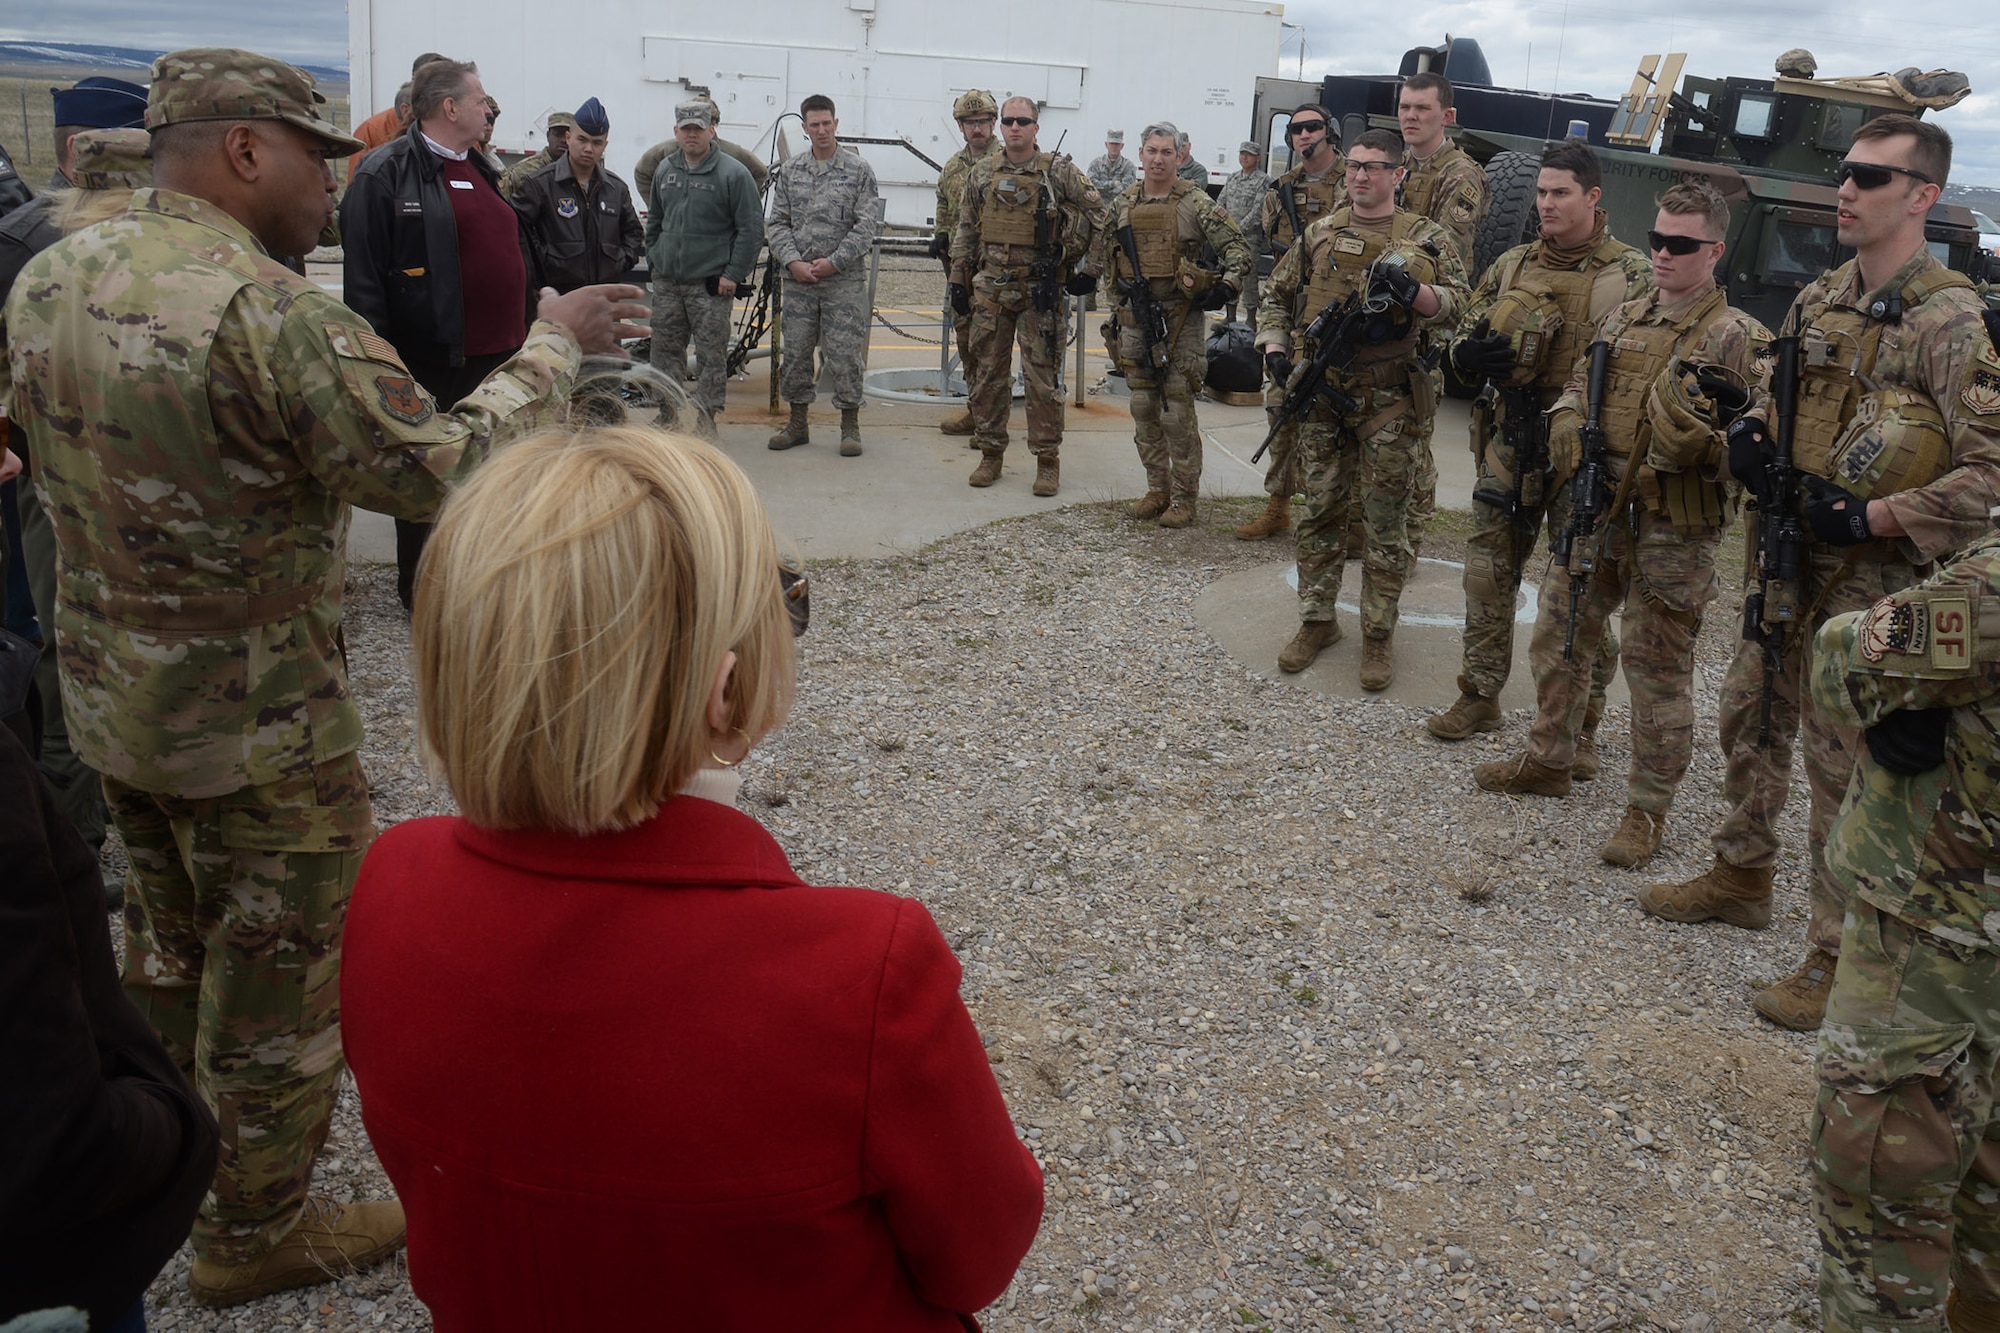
x,y
1907,1196
1009,200
1898,424
560,124
976,112
1112,172
649,161
1308,191
1173,223
825,211
1563,285
202,417
1655,544
1242,198
1369,451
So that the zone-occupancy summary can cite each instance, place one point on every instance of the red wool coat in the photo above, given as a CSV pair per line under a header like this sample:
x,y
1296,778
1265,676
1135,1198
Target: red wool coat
x,y
653,1080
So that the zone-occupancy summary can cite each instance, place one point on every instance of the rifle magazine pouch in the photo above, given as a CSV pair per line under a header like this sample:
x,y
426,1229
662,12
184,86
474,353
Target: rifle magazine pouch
x,y
1423,393
1693,503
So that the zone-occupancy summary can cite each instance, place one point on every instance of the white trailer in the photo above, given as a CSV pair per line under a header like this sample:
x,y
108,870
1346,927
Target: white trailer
x,y
892,67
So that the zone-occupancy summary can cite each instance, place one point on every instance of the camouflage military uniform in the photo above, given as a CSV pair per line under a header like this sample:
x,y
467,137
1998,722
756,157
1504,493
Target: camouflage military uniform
x,y
825,210
1242,198
1904,1133
1163,416
1656,556
201,418
1608,276
950,189
1939,348
1313,197
1371,452
534,162
649,163
1111,175
992,254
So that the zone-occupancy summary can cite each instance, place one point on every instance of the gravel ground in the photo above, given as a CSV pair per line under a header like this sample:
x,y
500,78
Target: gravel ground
x,y
1306,1031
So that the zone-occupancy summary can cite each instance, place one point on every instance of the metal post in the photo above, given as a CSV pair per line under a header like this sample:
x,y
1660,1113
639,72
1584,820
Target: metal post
x,y
1081,312
946,343
874,277
771,272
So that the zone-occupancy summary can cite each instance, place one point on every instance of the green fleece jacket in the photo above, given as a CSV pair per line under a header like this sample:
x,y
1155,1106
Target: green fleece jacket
x,y
703,220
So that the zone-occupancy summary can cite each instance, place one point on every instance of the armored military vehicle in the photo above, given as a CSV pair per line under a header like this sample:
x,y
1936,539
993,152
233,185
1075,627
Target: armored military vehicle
x,y
1771,147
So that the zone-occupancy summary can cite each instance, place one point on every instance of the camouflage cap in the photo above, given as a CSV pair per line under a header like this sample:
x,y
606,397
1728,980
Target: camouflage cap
x,y
974,103
222,83
561,118
113,160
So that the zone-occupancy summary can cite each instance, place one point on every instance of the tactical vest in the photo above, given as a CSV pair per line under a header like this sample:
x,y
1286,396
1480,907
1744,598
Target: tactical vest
x,y
1638,356
1419,187
1156,233
1013,196
1337,259
1584,294
1313,198
1871,441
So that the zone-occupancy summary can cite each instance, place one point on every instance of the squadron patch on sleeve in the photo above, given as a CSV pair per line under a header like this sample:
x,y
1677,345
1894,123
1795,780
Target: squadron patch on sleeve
x,y
402,399
1896,627
1982,391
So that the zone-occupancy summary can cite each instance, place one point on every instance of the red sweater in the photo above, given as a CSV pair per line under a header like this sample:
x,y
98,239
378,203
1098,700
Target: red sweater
x,y
491,274
652,1080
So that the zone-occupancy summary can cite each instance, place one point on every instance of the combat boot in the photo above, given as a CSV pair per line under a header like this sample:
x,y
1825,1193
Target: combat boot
x,y
850,432
1313,635
1276,518
1048,475
958,425
988,470
1522,776
1798,1002
1151,505
1970,1314
1637,838
1473,712
1180,514
1378,666
1587,764
1738,895
331,1240
795,432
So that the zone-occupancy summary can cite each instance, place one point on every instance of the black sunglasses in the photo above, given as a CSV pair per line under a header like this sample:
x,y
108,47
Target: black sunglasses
x,y
797,592
1303,127
1017,120
1873,175
1675,245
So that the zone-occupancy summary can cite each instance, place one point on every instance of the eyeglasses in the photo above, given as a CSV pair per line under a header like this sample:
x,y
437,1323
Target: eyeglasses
x,y
1017,120
1354,168
975,120
796,589
1675,245
1873,175
1305,127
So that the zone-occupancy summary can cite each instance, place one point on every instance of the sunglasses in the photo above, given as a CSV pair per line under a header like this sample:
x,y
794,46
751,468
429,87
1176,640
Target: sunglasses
x,y
796,589
1017,120
1675,245
1873,175
1304,127
1354,168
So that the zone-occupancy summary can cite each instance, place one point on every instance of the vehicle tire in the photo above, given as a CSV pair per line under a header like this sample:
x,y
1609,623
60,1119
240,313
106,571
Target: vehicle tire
x,y
1511,219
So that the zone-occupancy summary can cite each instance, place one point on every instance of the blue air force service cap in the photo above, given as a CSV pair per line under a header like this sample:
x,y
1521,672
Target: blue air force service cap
x,y
101,104
590,118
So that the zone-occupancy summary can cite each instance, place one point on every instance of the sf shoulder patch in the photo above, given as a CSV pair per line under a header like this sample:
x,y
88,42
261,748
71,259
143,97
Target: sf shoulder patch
x,y
1935,631
403,400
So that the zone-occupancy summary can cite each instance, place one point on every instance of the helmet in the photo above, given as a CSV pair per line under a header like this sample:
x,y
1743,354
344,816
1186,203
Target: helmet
x,y
1685,416
1531,321
1894,442
973,103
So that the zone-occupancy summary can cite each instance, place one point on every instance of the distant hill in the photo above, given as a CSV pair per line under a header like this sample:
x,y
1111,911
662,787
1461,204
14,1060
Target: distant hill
x,y
1980,197
114,59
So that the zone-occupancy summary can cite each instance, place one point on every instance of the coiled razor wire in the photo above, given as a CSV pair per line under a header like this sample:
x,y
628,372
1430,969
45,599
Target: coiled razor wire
x,y
611,391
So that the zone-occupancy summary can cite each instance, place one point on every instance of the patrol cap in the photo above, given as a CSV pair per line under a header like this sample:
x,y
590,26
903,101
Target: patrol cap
x,y
113,159
101,104
561,118
1114,136
592,119
224,83
694,113
1250,146
974,103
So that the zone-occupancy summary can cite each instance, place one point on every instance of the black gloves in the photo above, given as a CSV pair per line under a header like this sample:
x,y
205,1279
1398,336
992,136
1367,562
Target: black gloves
x,y
1081,284
1837,517
1483,354
1729,398
940,246
1279,366
1216,297
1910,741
1746,452
961,299
1396,282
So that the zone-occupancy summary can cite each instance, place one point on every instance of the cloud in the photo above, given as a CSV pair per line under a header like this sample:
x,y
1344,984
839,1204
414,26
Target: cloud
x,y
311,31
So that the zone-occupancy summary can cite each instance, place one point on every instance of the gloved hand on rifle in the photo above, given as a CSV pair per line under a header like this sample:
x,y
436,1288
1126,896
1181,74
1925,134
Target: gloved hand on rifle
x,y
1565,444
1729,397
1216,297
1278,365
1398,284
1836,516
961,299
1748,455
1910,741
1081,284
1483,354
940,246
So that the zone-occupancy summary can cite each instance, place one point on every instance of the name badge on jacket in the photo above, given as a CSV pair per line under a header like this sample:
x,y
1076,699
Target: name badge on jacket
x,y
461,185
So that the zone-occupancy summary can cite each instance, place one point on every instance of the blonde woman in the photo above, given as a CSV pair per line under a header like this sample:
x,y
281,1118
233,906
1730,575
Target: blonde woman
x,y
623,1066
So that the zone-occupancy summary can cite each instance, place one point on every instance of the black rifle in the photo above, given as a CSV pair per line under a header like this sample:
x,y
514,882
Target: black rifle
x,y
1588,489
1773,607
1336,336
1288,200
1525,431
1046,294
1146,312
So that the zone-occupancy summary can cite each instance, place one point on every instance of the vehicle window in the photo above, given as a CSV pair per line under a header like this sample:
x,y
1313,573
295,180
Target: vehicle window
x,y
1753,115
1798,251
1983,222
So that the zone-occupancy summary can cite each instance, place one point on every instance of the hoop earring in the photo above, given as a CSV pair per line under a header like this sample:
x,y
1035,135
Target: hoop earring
x,y
720,762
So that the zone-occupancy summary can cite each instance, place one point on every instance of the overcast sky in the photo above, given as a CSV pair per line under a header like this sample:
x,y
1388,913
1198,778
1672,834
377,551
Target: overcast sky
x,y
1536,43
